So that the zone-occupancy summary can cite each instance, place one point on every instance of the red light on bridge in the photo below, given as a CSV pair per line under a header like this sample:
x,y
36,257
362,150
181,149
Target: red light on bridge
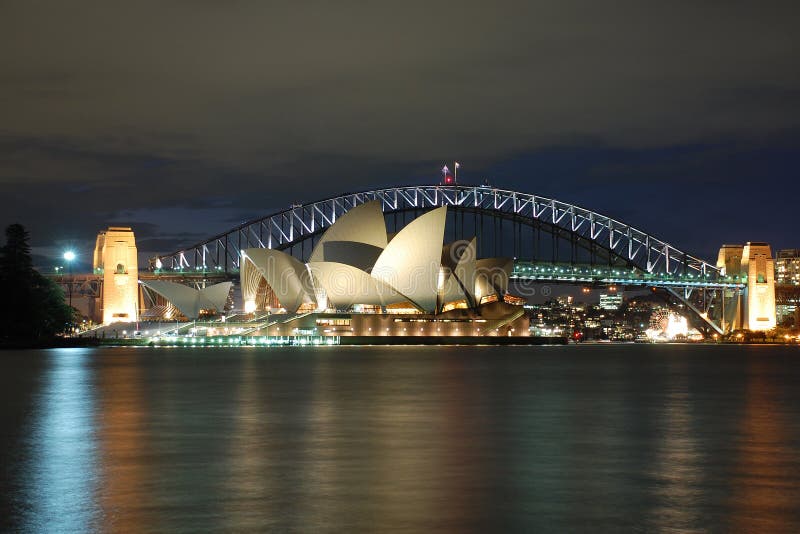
x,y
448,179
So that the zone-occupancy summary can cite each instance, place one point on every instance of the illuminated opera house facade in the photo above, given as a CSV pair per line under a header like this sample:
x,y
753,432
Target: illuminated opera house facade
x,y
362,281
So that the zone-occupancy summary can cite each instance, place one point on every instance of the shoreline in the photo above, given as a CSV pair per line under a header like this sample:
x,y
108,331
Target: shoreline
x,y
236,341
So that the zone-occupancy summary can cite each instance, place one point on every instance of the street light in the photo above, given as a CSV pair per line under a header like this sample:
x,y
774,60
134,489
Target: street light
x,y
69,257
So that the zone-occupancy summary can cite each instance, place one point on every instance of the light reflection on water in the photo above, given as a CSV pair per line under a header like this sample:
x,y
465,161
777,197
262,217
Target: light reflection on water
x,y
677,471
60,486
677,438
765,471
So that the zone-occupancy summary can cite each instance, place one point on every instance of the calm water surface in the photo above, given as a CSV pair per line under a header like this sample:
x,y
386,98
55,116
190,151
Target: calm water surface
x,y
452,439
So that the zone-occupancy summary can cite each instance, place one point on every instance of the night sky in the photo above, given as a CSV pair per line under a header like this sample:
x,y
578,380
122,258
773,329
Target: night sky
x,y
182,120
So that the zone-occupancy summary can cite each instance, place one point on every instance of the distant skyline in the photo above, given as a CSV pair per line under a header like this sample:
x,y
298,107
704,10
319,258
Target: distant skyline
x,y
184,119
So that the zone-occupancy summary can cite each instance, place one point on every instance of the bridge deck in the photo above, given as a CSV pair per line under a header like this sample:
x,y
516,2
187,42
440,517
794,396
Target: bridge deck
x,y
593,274
523,270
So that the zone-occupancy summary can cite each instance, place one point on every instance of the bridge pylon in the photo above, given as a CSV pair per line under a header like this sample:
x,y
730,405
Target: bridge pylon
x,y
115,258
753,308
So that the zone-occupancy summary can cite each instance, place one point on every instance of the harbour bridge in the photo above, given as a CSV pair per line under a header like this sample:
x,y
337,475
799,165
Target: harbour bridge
x,y
551,241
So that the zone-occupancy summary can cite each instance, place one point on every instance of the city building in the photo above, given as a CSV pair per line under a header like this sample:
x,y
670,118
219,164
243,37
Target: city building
x,y
611,301
787,267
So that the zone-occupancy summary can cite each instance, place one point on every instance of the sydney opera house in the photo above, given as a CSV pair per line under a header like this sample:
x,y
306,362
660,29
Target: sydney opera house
x,y
362,281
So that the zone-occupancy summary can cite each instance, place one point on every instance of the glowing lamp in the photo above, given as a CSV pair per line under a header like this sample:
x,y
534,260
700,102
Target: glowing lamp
x,y
69,255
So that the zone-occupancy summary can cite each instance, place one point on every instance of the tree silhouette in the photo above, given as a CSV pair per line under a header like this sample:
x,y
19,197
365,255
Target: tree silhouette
x,y
34,310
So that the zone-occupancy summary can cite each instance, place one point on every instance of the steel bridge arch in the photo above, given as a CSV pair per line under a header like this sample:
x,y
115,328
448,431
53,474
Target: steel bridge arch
x,y
303,221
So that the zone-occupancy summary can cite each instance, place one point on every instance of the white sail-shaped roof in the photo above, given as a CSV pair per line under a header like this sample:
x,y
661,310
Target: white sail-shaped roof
x,y
465,269
363,224
191,301
354,264
449,288
411,261
216,295
285,275
346,285
457,280
360,255
491,276
458,265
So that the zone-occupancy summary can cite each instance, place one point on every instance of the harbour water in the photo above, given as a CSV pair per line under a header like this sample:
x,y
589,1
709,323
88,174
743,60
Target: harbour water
x,y
420,439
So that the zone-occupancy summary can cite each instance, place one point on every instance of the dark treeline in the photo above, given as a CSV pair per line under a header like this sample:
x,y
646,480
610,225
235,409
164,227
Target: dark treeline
x,y
33,311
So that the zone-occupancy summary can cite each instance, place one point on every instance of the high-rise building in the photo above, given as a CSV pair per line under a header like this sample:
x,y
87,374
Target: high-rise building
x,y
787,267
787,273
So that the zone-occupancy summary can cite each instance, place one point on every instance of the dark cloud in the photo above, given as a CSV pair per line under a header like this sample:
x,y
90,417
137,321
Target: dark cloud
x,y
191,116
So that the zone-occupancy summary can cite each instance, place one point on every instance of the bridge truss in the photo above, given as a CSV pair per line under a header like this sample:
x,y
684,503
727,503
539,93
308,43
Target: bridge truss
x,y
297,224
